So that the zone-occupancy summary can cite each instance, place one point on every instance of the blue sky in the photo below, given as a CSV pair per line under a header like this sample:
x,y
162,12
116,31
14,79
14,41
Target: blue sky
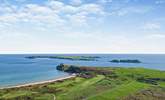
x,y
82,26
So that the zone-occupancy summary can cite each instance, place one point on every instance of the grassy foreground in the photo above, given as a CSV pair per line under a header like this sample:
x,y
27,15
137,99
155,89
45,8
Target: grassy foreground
x,y
120,84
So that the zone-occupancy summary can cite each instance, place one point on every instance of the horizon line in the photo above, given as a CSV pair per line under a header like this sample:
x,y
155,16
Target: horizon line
x,y
78,53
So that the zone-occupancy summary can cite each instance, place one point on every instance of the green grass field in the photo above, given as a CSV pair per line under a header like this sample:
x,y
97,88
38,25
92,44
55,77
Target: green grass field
x,y
122,84
120,91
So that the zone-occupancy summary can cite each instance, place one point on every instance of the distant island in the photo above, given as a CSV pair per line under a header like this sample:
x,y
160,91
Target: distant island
x,y
84,58
125,61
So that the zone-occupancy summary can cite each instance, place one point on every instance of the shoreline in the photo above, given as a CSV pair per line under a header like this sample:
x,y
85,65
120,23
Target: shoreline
x,y
39,83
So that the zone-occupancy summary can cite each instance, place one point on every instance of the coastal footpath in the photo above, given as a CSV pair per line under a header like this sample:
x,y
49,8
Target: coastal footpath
x,y
95,83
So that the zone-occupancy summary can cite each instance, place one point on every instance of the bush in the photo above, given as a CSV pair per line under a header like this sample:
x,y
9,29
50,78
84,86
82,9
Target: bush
x,y
60,67
73,69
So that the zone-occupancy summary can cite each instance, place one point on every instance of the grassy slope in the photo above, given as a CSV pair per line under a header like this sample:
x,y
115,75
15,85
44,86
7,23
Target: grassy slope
x,y
16,94
154,93
79,90
137,72
23,95
118,85
120,91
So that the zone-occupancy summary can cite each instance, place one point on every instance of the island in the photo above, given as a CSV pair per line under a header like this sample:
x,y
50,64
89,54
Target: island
x,y
84,58
95,83
125,61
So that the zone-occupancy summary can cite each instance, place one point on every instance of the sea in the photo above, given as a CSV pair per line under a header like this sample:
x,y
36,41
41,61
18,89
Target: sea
x,y
16,69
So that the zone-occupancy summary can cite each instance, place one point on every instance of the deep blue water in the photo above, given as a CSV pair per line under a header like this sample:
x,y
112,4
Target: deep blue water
x,y
16,69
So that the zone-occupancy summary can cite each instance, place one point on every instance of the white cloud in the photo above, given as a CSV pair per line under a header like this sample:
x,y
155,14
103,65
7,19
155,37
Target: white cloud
x,y
151,26
59,26
56,5
156,36
78,19
32,14
92,8
130,10
53,13
53,17
36,9
5,9
105,1
20,0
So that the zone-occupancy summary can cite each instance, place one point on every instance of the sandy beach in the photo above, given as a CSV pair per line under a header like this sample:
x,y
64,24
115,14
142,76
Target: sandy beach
x,y
42,82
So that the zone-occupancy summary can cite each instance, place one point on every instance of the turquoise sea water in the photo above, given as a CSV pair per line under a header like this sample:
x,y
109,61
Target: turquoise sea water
x,y
16,69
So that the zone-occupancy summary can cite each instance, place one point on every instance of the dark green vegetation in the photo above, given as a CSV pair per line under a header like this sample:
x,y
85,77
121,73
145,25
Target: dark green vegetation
x,y
148,94
125,61
101,84
84,58
86,72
